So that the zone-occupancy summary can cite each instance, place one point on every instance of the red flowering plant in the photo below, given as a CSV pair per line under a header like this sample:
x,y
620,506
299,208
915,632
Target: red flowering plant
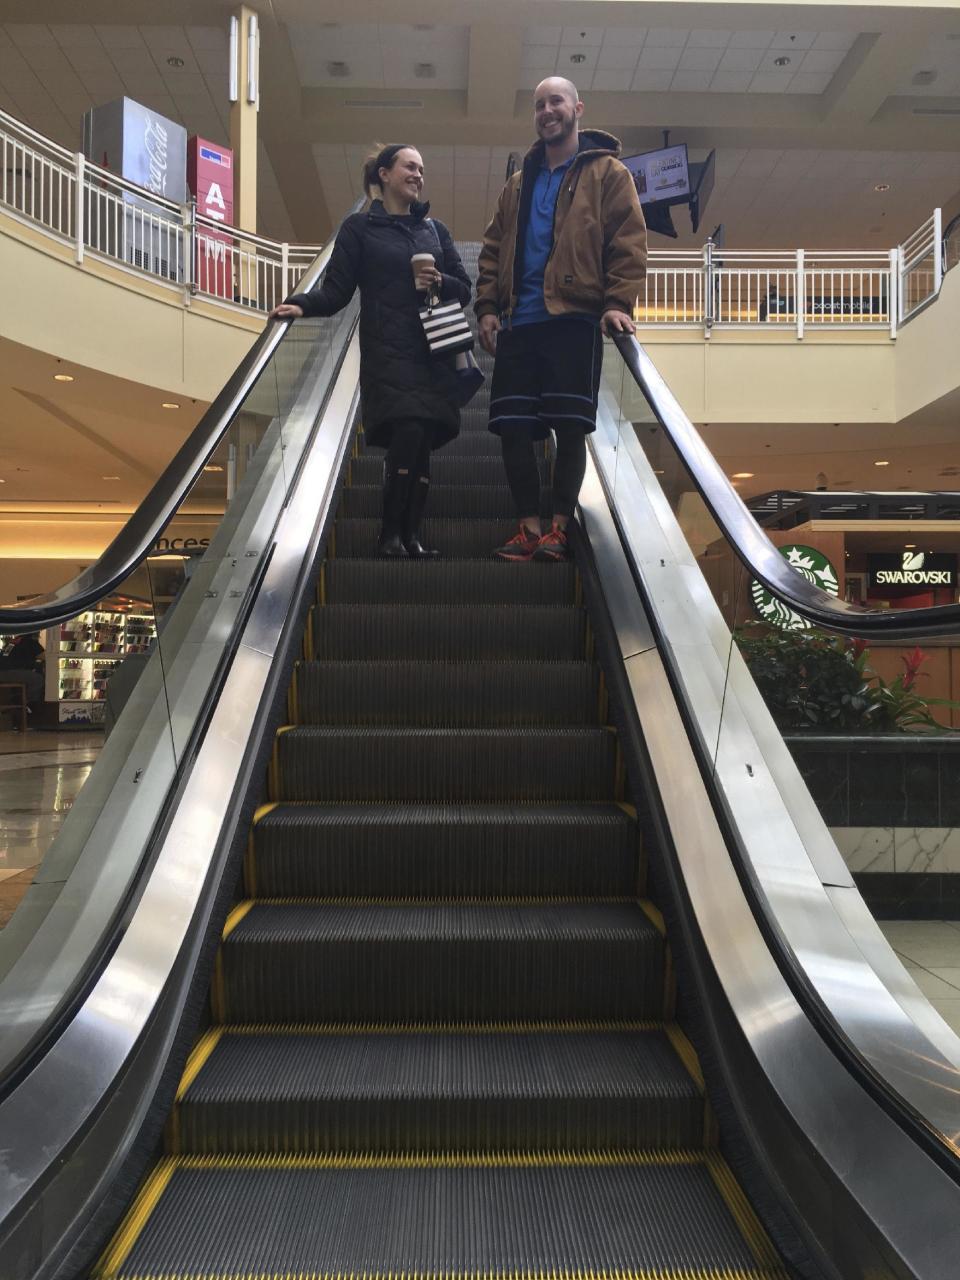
x,y
819,683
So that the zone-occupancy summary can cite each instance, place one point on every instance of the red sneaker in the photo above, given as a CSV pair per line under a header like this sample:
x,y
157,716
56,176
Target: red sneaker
x,y
520,547
553,545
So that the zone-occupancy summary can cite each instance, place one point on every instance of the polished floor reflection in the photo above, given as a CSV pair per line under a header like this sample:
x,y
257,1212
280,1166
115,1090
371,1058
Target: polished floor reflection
x,y
930,950
40,776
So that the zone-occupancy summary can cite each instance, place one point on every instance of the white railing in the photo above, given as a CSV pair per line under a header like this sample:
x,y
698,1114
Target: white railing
x,y
921,266
711,288
796,289
96,211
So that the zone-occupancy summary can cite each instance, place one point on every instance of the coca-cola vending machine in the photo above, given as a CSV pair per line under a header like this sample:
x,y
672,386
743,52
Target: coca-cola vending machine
x,y
147,149
210,176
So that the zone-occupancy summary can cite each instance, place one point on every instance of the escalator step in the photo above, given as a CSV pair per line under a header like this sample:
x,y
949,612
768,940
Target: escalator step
x,y
449,633
460,539
568,1090
469,444
438,851
443,470
446,501
413,963
445,694
634,1216
480,582
315,762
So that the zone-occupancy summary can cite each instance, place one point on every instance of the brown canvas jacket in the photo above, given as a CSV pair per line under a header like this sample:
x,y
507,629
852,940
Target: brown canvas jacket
x,y
599,254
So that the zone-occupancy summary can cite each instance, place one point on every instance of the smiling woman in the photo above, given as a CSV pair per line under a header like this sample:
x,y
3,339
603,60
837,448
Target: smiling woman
x,y
398,257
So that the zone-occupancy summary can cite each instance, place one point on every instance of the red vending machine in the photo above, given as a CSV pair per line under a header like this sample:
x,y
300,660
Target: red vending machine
x,y
210,177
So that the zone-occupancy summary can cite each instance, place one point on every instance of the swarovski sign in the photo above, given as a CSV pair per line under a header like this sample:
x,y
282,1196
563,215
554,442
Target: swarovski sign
x,y
912,569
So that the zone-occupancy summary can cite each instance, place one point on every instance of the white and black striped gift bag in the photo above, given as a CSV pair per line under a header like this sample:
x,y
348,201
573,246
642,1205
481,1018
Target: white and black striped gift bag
x,y
446,328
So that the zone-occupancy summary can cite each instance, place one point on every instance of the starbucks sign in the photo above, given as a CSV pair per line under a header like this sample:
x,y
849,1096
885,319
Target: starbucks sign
x,y
815,567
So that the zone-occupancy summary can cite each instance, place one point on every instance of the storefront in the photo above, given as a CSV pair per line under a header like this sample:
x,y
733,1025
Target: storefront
x,y
883,551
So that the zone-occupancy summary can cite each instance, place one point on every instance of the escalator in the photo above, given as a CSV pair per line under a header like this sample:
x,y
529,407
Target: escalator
x,y
443,1036
427,1018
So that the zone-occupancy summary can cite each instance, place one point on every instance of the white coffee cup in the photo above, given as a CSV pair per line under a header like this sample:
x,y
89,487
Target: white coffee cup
x,y
421,260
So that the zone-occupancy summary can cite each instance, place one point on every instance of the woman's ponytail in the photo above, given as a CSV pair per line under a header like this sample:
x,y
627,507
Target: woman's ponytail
x,y
381,158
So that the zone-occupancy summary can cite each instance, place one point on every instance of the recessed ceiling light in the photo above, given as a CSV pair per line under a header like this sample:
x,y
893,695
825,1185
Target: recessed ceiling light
x,y
109,477
781,62
169,404
909,546
882,462
175,62
578,57
882,186
63,377
212,466
3,482
743,475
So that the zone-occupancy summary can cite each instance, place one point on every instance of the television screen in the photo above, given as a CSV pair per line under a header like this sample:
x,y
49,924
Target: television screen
x,y
661,175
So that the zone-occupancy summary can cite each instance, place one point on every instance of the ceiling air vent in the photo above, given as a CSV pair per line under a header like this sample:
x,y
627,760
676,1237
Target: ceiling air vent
x,y
338,68
425,71
936,111
924,77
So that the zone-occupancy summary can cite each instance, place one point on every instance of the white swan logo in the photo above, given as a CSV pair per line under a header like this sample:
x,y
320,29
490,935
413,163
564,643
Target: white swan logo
x,y
815,567
913,559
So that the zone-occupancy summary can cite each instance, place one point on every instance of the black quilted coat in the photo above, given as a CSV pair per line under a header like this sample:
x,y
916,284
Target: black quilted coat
x,y
399,379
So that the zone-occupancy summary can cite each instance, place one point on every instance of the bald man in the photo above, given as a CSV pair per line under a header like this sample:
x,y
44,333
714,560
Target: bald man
x,y
562,262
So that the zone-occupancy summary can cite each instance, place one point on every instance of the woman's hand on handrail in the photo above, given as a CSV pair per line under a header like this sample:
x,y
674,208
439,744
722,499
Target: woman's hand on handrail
x,y
286,311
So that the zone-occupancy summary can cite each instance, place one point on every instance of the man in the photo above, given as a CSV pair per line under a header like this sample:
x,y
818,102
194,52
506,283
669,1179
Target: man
x,y
562,261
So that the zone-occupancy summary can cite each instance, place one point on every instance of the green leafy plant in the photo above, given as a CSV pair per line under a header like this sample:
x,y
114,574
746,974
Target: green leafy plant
x,y
817,682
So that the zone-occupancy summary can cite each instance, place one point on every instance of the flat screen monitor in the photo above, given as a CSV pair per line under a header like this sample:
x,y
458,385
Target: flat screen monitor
x,y
661,175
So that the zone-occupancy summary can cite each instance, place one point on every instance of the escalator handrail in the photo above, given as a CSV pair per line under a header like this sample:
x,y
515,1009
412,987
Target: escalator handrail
x,y
748,540
138,536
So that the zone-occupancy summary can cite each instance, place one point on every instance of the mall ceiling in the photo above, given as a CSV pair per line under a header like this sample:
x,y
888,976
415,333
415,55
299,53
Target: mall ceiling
x,y
835,125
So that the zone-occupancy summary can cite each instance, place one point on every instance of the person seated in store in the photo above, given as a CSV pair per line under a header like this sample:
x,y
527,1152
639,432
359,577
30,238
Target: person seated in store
x,y
23,664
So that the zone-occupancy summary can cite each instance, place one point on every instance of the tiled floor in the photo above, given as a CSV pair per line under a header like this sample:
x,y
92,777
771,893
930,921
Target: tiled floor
x,y
930,950
40,775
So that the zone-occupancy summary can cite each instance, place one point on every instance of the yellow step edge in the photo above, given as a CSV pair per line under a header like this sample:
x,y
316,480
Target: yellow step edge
x,y
235,916
654,915
198,1058
686,1053
119,1247
742,1211
433,1028
264,809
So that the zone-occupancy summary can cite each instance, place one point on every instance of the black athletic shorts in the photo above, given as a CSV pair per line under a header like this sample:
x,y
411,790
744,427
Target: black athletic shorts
x,y
546,375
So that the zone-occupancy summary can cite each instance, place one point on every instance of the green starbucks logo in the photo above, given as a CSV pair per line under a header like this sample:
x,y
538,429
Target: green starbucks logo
x,y
815,567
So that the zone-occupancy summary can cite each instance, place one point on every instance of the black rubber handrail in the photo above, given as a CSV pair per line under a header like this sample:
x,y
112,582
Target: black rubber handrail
x,y
138,536
751,545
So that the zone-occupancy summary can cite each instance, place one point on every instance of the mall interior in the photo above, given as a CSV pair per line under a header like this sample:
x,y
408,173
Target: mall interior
x,y
672,821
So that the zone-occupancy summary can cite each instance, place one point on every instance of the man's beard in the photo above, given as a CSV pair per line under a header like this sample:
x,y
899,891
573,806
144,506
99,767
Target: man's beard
x,y
568,126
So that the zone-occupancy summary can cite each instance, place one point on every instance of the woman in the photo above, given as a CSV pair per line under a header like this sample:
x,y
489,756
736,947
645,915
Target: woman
x,y
408,397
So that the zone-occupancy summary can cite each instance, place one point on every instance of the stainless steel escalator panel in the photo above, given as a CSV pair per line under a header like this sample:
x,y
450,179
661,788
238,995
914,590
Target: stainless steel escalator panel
x,y
45,1113
786,843
852,1136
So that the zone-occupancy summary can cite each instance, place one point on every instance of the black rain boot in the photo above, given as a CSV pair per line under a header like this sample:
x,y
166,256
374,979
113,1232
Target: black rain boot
x,y
396,489
411,524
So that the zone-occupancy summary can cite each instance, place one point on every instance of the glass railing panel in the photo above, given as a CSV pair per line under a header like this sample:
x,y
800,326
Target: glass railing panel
x,y
138,670
835,773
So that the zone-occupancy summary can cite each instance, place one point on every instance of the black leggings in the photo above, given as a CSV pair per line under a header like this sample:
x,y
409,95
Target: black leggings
x,y
520,462
410,450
